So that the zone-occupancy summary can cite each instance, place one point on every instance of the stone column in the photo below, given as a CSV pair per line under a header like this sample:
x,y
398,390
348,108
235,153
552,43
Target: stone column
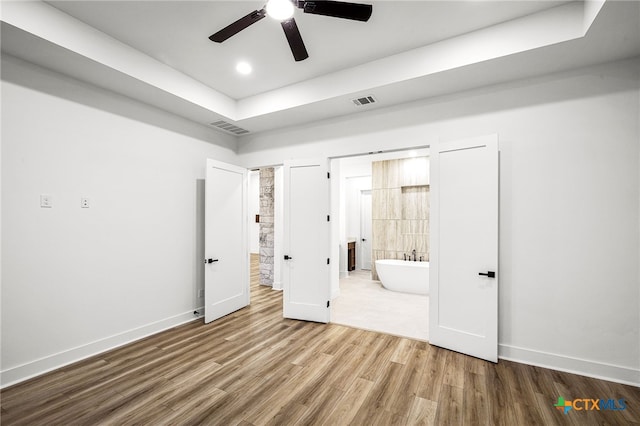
x,y
266,226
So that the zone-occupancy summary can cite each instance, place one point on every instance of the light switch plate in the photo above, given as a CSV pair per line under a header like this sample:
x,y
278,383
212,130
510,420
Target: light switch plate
x,y
46,201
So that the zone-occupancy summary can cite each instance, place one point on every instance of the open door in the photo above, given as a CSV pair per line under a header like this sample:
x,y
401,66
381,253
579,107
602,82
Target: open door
x,y
306,278
226,273
463,279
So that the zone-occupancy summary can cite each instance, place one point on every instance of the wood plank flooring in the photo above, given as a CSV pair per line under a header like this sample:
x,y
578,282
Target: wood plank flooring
x,y
255,368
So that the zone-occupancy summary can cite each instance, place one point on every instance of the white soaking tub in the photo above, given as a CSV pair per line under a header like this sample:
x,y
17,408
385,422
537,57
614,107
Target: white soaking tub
x,y
404,275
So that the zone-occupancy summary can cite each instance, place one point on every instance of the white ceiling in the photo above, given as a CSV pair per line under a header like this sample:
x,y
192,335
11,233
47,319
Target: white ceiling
x,y
158,52
176,33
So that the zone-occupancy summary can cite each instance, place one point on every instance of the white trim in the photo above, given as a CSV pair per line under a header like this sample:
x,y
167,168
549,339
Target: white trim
x,y
278,226
49,363
583,367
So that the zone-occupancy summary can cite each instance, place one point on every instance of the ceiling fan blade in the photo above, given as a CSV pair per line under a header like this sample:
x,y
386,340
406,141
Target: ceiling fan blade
x,y
338,9
295,39
238,26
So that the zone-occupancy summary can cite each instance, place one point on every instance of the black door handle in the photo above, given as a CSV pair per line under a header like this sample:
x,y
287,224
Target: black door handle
x,y
364,239
210,260
489,274
287,257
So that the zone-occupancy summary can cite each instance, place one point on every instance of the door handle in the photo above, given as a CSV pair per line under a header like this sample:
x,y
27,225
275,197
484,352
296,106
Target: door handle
x,y
364,239
287,257
210,260
489,274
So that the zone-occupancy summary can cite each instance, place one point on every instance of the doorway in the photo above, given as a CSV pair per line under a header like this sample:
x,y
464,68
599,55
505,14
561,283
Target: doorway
x,y
361,300
293,254
306,184
265,226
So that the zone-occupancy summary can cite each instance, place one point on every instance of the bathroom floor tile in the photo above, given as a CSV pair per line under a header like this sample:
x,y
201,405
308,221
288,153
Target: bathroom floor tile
x,y
365,304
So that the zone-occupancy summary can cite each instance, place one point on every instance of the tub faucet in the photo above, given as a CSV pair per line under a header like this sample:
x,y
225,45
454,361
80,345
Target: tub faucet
x,y
414,254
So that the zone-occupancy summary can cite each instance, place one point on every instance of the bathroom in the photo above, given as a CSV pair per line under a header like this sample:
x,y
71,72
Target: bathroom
x,y
384,214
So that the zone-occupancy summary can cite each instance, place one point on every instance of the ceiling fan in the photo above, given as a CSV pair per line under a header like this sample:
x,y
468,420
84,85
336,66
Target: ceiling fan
x,y
282,10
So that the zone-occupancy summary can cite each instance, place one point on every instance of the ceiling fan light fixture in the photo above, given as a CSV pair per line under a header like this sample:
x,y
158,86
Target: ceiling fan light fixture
x,y
280,10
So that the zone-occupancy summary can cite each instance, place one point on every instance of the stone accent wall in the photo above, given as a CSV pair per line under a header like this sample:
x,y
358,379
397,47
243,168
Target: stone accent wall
x,y
400,209
266,226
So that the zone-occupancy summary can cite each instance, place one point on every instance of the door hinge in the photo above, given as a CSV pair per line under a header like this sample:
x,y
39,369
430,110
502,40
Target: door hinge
x,y
328,260
328,175
328,303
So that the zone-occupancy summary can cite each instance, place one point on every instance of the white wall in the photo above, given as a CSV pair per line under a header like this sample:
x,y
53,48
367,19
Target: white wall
x,y
79,281
75,282
254,209
569,229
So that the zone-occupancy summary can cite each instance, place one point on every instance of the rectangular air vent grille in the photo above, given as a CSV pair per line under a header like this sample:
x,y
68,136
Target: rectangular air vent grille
x,y
364,101
228,127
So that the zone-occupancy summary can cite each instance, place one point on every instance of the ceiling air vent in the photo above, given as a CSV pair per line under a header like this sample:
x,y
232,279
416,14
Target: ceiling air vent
x,y
364,101
228,127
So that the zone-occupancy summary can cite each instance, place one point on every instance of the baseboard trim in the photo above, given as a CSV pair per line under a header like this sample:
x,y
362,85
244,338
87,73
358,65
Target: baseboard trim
x,y
277,285
598,370
583,367
20,373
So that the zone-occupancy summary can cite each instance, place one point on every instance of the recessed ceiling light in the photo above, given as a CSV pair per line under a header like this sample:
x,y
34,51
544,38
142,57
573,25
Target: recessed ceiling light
x,y
280,9
244,68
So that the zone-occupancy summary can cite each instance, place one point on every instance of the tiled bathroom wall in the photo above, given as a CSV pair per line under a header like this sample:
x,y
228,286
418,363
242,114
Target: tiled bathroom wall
x,y
266,225
400,209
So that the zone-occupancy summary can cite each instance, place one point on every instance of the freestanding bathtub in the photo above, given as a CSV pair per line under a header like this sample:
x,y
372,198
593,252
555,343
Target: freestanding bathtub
x,y
404,275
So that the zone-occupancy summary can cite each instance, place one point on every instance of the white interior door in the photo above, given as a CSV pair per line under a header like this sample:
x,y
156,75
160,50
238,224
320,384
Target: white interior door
x,y
365,233
226,275
463,279
306,278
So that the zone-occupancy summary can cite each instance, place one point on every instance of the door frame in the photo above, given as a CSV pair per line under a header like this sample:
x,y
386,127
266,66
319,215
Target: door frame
x,y
334,207
278,221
